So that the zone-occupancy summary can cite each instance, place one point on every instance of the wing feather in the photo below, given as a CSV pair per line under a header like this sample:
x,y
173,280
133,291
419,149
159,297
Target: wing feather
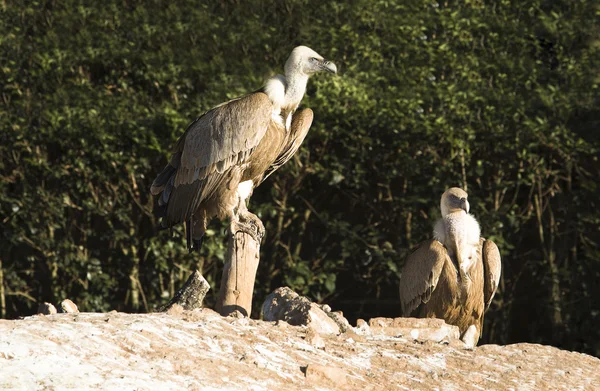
x,y
223,137
301,122
420,274
492,269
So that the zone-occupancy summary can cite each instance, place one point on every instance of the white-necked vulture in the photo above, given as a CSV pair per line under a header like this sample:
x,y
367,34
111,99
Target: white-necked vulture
x,y
453,276
224,154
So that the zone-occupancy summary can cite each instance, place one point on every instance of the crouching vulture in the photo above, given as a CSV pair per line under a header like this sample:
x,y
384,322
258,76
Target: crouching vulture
x,y
227,152
453,276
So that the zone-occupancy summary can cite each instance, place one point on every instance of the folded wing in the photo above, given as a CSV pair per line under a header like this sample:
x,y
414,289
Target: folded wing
x,y
420,275
492,268
211,146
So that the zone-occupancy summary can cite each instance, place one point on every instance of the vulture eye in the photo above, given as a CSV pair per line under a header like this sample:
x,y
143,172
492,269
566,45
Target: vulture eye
x,y
314,59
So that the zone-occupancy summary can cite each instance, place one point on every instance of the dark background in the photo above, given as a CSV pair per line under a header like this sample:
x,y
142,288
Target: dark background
x,y
501,99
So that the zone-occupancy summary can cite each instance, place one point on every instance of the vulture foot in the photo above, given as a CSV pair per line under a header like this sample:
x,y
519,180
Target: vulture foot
x,y
250,224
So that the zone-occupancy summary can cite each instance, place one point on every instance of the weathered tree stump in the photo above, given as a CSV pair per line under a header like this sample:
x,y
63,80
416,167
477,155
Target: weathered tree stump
x,y
239,273
191,295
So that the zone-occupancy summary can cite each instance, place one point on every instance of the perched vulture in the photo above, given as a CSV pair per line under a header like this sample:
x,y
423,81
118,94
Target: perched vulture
x,y
224,154
453,276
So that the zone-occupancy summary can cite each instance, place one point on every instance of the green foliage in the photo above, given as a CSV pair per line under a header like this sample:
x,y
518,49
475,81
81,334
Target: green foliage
x,y
502,98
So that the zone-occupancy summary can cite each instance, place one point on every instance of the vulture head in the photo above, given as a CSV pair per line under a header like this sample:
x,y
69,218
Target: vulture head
x,y
454,200
306,61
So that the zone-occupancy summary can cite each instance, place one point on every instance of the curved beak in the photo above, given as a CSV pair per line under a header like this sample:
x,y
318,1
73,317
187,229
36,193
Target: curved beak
x,y
328,66
464,204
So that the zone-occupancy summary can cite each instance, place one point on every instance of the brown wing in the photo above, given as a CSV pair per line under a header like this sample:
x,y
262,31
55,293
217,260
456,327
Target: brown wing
x,y
217,141
301,122
223,137
420,274
492,268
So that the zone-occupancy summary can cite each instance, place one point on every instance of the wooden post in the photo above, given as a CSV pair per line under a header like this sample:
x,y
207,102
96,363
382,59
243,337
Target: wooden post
x,y
239,273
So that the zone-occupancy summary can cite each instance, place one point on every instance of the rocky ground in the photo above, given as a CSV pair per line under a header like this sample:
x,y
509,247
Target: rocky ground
x,y
200,350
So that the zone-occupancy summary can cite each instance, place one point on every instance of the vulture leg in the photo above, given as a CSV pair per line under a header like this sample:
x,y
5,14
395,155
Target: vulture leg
x,y
246,221
471,336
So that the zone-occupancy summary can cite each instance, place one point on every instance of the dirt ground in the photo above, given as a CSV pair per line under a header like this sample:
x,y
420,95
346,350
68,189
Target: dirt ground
x,y
200,350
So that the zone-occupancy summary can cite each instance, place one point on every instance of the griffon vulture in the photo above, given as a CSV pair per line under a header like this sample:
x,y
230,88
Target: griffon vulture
x,y
224,154
453,276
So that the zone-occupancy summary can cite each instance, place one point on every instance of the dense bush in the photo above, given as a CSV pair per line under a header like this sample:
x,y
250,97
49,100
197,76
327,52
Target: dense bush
x,y
500,98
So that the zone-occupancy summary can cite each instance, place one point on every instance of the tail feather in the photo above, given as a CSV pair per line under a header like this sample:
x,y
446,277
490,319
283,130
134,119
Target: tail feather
x,y
193,243
164,198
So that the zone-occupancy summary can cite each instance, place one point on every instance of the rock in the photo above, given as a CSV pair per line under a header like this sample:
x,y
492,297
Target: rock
x,y
317,374
429,329
46,309
201,350
285,304
318,320
68,306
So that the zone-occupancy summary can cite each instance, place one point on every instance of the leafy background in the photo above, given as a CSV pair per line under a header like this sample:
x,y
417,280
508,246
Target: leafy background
x,y
500,98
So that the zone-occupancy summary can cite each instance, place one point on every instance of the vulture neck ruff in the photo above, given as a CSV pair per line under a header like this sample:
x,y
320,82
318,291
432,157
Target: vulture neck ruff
x,y
285,94
459,232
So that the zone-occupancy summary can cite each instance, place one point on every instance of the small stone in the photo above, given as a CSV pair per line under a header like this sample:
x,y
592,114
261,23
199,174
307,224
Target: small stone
x,y
362,328
320,373
314,339
69,307
46,309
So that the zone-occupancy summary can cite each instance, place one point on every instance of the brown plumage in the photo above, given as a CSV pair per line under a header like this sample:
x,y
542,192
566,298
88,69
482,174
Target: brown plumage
x,y
231,149
434,285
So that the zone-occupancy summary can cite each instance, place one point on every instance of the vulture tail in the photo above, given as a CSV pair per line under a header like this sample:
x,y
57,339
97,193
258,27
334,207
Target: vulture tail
x,y
197,243
193,243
